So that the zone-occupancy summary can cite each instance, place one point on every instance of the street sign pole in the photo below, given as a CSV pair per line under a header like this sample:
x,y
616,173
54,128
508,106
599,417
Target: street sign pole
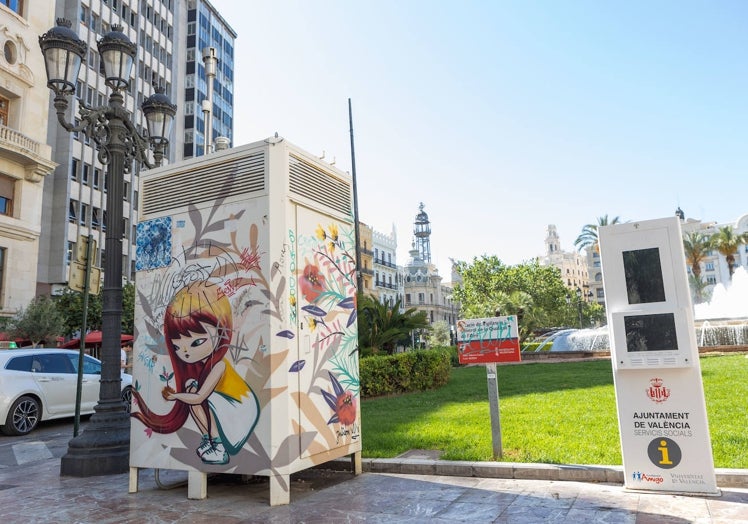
x,y
82,349
493,406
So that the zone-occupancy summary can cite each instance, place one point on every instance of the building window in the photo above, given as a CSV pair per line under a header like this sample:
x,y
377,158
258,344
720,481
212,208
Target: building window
x,y
407,299
7,186
13,5
85,174
96,177
421,298
95,222
4,104
709,266
72,211
711,280
74,169
84,214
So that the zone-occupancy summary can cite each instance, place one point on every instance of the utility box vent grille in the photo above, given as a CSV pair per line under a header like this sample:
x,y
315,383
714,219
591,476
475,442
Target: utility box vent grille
x,y
204,184
311,182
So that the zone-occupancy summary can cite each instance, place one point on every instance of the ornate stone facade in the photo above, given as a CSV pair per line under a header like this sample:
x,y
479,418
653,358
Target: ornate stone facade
x,y
25,157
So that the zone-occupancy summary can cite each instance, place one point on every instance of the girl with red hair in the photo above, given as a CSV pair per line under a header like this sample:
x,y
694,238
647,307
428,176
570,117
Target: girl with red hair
x,y
198,328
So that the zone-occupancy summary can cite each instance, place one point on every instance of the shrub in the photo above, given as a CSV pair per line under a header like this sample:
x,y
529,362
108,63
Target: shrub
x,y
533,346
404,372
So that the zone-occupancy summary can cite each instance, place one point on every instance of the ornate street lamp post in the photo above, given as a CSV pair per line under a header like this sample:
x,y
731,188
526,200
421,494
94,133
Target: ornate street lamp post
x,y
103,448
579,306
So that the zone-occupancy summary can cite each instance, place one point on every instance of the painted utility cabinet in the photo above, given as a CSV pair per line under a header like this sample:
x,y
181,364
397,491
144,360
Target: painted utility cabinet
x,y
245,358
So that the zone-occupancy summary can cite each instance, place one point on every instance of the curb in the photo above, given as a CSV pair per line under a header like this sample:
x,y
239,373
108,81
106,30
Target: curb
x,y
726,477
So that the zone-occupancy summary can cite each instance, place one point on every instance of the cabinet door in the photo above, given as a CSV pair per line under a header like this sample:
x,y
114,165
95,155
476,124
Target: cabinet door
x,y
328,333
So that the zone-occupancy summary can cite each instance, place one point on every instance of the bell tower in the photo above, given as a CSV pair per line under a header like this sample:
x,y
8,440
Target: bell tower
x,y
422,234
552,242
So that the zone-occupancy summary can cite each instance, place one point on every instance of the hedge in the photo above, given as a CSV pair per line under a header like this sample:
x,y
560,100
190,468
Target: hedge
x,y
416,370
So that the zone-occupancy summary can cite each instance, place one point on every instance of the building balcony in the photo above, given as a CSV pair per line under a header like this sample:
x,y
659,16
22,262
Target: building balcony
x,y
368,252
367,271
33,156
384,263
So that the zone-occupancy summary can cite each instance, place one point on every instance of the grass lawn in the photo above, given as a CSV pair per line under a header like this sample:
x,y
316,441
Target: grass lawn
x,y
560,413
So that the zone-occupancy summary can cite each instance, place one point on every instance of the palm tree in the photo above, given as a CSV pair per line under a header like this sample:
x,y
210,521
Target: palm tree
x,y
588,237
698,288
726,241
382,326
696,246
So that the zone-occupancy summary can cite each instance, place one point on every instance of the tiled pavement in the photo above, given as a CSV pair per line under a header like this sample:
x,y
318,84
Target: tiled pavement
x,y
31,491
414,488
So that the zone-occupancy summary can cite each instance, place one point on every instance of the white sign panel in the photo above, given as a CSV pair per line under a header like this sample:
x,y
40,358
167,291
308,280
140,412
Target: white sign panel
x,y
661,411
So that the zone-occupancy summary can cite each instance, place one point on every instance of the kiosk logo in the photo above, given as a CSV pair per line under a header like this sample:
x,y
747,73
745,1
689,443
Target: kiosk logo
x,y
664,453
644,477
656,391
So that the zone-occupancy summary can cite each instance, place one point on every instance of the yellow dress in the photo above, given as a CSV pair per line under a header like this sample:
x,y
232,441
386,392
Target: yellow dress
x,y
235,409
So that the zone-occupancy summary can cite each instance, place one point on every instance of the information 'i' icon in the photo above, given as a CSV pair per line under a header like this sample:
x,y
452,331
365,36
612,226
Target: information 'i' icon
x,y
665,460
664,453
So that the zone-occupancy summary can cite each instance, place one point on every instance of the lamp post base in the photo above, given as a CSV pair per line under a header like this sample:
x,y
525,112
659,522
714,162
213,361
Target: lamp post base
x,y
102,449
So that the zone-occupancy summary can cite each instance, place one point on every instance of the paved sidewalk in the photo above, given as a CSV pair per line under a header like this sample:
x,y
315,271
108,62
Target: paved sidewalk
x,y
35,493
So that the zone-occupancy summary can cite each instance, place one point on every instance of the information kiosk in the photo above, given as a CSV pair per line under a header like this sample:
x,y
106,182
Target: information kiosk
x,y
661,412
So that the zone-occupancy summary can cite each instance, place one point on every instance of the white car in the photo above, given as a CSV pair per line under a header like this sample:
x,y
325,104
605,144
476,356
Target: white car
x,y
40,384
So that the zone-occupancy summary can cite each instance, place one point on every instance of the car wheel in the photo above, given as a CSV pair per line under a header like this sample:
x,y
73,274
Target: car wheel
x,y
127,398
23,416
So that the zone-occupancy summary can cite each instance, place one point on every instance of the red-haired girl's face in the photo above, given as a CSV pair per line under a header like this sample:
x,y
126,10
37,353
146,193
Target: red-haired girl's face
x,y
195,347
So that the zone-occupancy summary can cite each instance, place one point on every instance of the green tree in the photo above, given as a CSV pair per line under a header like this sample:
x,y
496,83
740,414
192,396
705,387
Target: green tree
x,y
588,238
726,241
382,326
439,335
696,247
699,289
70,305
128,308
535,293
39,322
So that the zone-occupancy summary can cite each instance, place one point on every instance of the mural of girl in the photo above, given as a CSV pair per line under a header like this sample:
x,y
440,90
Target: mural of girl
x,y
198,331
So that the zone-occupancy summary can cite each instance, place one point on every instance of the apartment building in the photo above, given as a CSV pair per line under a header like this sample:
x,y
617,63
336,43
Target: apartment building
x,y
209,78
25,158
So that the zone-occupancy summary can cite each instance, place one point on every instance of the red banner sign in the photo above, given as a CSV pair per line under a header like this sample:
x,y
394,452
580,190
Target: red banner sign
x,y
488,340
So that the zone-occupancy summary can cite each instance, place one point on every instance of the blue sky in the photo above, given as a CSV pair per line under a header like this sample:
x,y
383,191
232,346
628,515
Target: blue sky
x,y
505,116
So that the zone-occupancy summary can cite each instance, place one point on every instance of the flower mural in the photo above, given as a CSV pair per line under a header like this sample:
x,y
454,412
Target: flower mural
x,y
312,283
342,402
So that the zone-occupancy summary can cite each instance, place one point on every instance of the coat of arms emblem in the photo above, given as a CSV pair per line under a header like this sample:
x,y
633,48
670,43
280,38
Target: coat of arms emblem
x,y
656,391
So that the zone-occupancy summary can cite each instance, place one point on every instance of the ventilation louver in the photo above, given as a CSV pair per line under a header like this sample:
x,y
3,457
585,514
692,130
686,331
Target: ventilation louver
x,y
311,182
205,184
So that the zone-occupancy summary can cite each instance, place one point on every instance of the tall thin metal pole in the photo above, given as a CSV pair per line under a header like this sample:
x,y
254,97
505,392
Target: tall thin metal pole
x,y
356,224
82,348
